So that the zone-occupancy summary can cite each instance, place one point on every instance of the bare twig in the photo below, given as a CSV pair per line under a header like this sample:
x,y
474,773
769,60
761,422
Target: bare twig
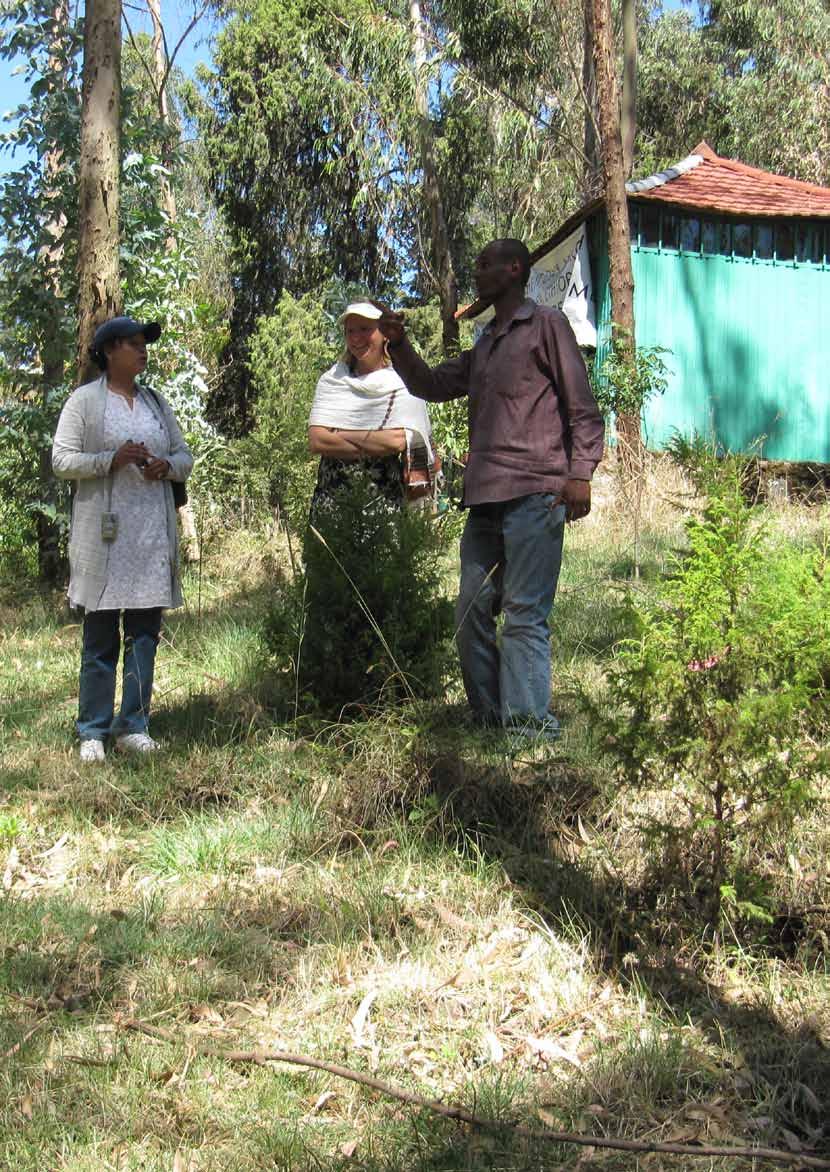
x,y
171,57
140,55
462,1115
10,1053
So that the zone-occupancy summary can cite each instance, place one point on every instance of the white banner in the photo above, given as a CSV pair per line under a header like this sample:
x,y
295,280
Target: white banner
x,y
562,279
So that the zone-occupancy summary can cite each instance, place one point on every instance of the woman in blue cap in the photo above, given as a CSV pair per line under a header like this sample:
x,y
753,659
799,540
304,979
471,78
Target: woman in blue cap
x,y
121,444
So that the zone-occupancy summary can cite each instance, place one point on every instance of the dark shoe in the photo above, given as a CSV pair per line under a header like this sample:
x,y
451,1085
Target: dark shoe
x,y
532,731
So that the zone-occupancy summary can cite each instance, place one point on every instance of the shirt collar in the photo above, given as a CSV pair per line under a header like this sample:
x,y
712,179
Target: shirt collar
x,y
522,313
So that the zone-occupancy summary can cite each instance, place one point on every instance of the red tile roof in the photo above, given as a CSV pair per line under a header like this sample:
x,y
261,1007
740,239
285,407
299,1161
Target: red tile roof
x,y
706,182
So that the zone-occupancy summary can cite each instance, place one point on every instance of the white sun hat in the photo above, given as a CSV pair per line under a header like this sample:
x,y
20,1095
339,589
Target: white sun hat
x,y
361,309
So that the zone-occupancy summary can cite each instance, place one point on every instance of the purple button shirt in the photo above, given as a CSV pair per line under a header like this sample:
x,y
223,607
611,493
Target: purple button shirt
x,y
534,422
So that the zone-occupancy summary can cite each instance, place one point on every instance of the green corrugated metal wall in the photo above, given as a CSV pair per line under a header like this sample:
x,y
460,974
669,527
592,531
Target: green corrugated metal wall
x,y
749,342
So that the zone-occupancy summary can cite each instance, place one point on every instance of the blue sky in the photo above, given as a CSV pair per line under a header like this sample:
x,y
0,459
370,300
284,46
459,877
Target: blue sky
x,y
176,15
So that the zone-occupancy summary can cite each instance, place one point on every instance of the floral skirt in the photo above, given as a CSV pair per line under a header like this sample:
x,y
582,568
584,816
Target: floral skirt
x,y
382,477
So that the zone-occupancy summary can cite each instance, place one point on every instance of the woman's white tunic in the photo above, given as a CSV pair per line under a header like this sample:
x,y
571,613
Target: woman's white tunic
x,y
138,568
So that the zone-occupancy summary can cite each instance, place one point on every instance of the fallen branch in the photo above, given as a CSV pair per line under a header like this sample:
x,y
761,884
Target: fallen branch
x,y
462,1115
18,1046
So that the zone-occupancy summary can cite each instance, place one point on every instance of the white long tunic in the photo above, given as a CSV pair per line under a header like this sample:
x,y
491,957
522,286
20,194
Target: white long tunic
x,y
138,568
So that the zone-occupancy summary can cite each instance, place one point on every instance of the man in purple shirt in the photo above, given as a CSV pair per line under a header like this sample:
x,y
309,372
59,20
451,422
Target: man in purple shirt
x,y
536,437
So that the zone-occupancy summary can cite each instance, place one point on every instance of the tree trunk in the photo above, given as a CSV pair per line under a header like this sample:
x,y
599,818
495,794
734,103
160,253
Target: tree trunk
x,y
52,564
621,278
160,71
99,288
629,87
592,164
441,258
186,514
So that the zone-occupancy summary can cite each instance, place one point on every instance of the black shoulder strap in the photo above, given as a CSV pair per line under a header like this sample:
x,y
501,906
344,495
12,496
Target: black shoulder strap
x,y
157,402
152,395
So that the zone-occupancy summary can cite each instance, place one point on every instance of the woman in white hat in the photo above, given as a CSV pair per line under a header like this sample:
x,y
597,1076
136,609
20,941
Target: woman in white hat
x,y
365,422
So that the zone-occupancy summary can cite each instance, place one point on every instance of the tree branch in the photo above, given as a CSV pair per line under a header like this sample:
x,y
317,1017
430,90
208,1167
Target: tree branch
x,y
462,1115
140,55
171,57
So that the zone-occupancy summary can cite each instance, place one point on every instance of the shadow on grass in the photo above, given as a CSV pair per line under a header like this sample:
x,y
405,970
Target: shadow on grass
x,y
23,718
527,816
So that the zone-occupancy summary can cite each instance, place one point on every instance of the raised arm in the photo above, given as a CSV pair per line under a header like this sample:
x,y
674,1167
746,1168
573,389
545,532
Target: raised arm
x,y
437,384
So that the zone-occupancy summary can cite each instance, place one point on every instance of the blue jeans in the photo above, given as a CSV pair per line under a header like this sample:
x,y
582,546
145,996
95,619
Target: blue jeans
x,y
510,558
99,662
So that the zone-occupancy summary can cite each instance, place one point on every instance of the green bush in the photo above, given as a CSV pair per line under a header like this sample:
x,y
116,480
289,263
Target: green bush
x,y
623,385
289,352
717,696
28,493
366,619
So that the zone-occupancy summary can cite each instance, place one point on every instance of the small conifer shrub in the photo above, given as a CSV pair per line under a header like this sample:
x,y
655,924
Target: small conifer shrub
x,y
719,697
368,618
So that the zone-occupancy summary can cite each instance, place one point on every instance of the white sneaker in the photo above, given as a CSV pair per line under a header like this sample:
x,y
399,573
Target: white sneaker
x,y
92,750
136,743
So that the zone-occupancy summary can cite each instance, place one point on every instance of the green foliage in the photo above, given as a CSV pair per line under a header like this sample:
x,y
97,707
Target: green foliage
x,y
367,619
748,76
289,351
625,383
286,152
713,697
699,457
26,429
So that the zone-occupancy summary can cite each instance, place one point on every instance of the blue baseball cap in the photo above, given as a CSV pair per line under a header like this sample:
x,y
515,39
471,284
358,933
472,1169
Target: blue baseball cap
x,y
125,327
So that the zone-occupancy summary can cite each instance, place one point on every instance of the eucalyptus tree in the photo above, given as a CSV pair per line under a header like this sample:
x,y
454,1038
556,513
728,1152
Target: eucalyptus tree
x,y
37,266
383,141
99,285
775,64
444,277
517,68
750,77
38,254
287,130
614,166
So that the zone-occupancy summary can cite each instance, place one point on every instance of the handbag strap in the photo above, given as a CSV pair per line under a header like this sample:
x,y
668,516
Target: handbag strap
x,y
157,402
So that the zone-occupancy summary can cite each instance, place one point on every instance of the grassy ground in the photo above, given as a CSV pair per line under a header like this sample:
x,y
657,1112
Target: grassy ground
x,y
399,895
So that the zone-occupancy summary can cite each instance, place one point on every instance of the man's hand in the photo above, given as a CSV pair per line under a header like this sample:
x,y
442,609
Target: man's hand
x,y
576,497
390,324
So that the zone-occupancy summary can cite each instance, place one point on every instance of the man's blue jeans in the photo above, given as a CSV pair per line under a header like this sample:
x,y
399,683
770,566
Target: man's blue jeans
x,y
99,662
511,553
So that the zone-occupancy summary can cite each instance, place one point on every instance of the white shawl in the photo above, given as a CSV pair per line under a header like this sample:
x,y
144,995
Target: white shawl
x,y
359,402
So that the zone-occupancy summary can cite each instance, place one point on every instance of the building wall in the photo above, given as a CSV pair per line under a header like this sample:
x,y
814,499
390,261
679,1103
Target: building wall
x,y
748,342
